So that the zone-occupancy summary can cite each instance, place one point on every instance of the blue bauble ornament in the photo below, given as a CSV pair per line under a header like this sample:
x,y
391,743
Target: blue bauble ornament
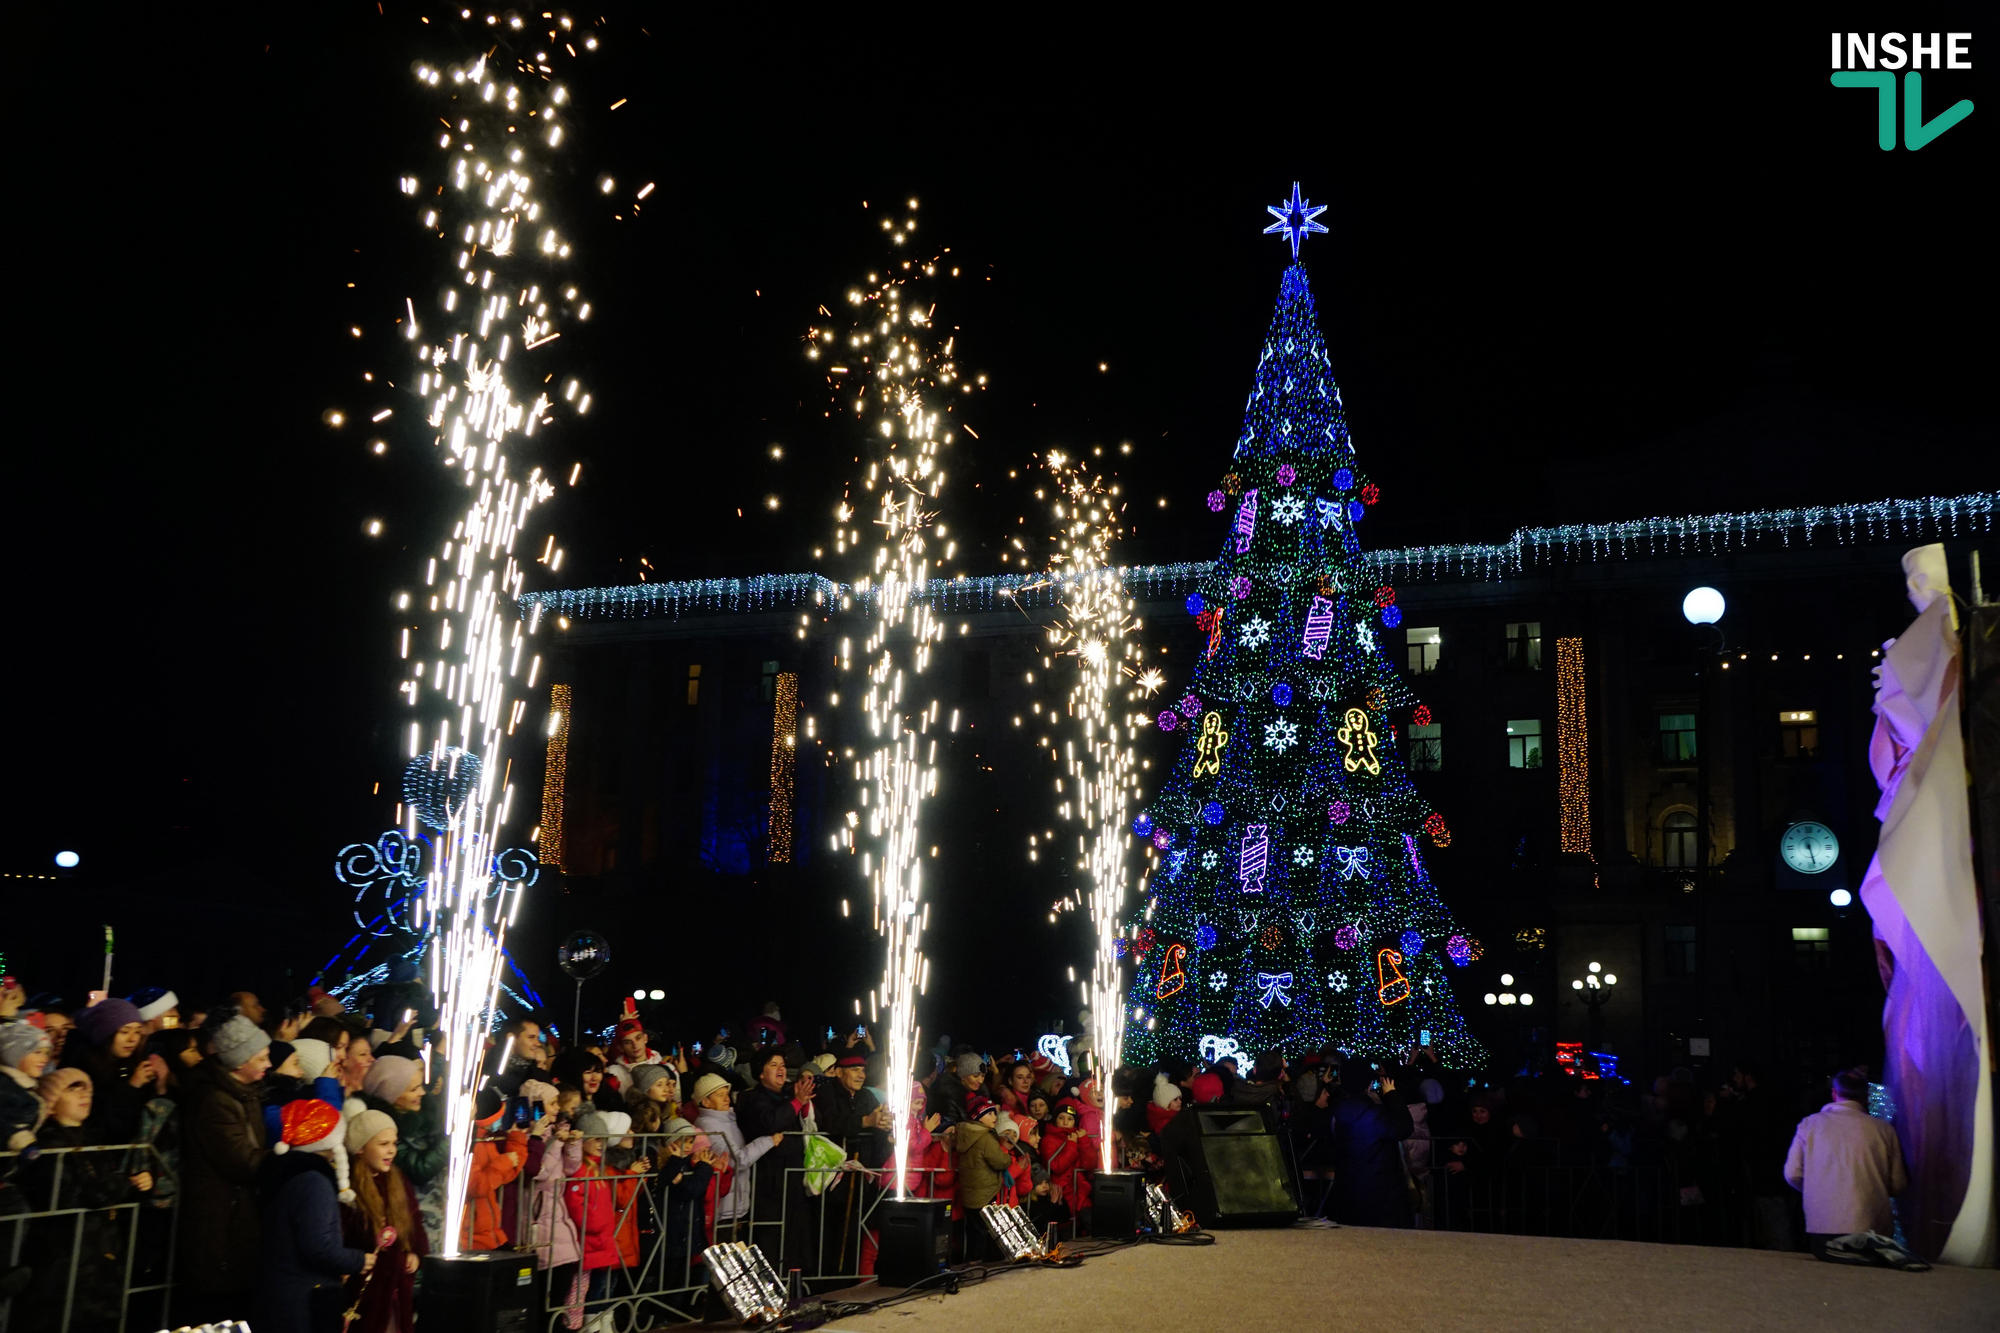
x,y
1212,812
1204,938
1412,942
1143,826
1281,694
1355,510
1195,604
1392,616
1343,479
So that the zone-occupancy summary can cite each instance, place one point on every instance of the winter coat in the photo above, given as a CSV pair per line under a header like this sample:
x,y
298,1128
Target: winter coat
x,y
599,1199
947,1098
222,1145
492,1169
305,1256
1847,1163
89,1180
763,1113
982,1164
421,1146
1070,1155
22,1111
115,1105
1020,1182
686,1207
733,1201
1369,1185
388,1300
551,1229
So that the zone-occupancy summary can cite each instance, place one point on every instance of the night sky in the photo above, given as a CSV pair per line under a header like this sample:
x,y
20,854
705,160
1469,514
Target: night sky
x,y
1573,274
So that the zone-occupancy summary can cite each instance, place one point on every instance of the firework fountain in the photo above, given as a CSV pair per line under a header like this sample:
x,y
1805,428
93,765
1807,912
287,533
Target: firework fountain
x,y
470,660
1097,620
894,370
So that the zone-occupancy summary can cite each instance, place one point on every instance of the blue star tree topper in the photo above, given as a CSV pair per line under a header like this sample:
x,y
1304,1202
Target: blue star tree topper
x,y
1298,219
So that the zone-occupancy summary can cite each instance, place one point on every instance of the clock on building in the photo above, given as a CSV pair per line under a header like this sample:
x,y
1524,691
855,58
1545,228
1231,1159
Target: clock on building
x,y
1809,848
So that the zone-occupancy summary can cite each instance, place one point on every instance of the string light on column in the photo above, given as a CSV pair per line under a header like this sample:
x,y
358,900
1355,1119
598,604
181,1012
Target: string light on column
x,y
784,764
555,777
1572,747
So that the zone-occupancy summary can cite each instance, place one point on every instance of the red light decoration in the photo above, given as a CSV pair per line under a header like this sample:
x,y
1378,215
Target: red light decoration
x,y
1271,938
1391,986
1233,484
1422,717
1173,977
1143,942
1434,826
1385,596
1370,493
1209,622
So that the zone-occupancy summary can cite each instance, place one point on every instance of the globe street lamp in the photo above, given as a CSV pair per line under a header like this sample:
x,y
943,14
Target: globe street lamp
x,y
1508,996
1595,986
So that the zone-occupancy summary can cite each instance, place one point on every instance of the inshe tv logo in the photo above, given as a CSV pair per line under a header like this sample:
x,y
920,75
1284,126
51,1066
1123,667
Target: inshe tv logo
x,y
1866,60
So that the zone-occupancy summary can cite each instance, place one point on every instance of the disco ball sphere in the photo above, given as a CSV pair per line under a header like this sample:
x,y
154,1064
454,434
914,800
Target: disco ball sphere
x,y
438,782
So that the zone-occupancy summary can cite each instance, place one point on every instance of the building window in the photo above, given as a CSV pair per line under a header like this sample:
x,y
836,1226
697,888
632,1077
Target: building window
x,y
1811,948
769,690
1680,951
1426,748
1524,739
1798,734
1524,646
694,684
1677,840
1677,738
1424,645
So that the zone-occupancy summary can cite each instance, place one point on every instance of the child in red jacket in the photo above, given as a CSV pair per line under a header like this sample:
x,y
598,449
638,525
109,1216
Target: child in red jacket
x,y
495,1165
597,1196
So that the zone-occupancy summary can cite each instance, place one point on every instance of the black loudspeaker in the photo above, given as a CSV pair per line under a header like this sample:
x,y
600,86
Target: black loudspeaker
x,y
915,1240
1116,1209
1228,1167
488,1292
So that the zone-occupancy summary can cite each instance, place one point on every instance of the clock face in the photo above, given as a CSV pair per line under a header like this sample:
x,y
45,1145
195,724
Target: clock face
x,y
1809,848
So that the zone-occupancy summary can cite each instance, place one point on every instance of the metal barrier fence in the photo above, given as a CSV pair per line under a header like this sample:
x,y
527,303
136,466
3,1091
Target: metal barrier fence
x,y
92,1239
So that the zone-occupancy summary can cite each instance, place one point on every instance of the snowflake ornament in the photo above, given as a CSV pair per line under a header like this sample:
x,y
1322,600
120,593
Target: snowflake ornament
x,y
1217,980
1256,632
1302,856
1209,860
1288,510
1336,981
1281,735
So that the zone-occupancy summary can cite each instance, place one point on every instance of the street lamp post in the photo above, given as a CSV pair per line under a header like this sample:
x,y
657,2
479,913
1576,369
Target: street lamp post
x,y
1595,987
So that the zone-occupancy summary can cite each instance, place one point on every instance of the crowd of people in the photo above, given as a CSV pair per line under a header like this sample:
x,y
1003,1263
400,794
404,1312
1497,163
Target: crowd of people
x,y
307,1153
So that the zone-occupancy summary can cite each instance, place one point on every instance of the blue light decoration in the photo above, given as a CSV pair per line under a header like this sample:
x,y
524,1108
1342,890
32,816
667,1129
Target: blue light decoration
x,y
1274,986
1212,813
1343,479
1412,942
1281,694
1143,825
1296,219
1392,616
1526,550
1204,937
437,782
1194,604
1607,1065
1356,511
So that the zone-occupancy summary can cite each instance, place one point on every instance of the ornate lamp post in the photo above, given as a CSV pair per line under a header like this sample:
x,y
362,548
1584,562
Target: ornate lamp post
x,y
1595,986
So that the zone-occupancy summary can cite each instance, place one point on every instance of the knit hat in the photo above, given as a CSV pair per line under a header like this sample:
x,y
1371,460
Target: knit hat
x,y
822,1062
154,1001
594,1125
705,1086
281,1051
1040,1064
645,1076
96,1024
363,1126
1165,1091
314,1056
310,1125
538,1092
1206,1088
617,1124
968,1065
678,1128
20,1040
723,1057
391,1076
237,1042
1006,1124
977,1106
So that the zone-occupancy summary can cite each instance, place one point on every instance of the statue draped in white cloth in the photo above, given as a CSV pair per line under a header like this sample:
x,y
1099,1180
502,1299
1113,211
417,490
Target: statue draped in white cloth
x,y
1920,894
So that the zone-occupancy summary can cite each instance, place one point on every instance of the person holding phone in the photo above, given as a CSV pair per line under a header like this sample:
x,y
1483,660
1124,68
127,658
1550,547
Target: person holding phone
x,y
1370,1124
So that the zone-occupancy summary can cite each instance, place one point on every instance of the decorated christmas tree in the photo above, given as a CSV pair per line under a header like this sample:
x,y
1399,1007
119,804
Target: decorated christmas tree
x,y
1291,903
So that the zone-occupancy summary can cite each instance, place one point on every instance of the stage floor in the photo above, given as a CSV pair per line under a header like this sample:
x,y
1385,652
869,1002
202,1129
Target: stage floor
x,y
1308,1278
